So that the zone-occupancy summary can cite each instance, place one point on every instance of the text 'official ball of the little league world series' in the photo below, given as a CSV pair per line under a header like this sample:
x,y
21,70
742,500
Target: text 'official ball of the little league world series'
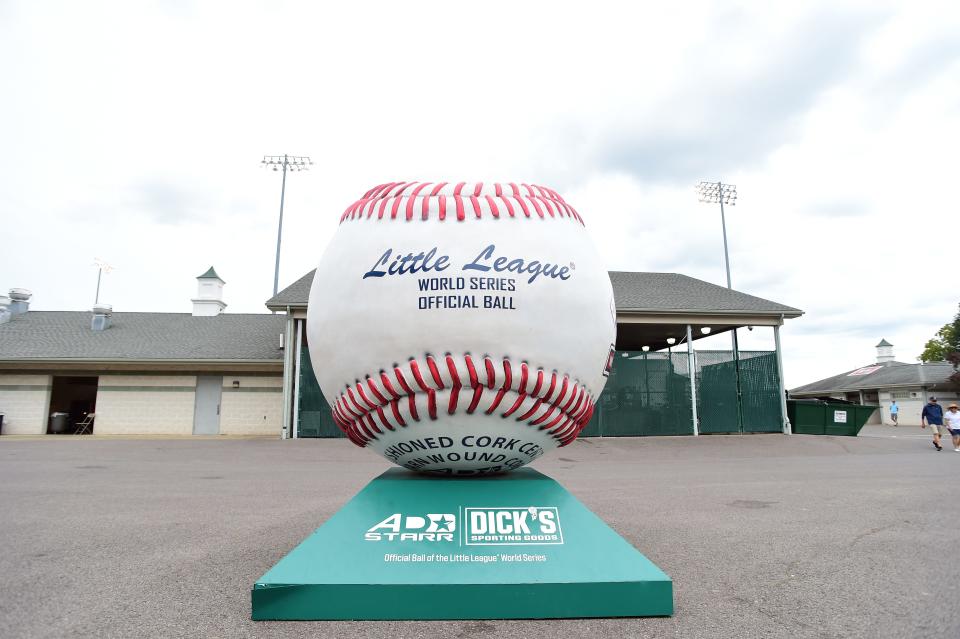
x,y
461,328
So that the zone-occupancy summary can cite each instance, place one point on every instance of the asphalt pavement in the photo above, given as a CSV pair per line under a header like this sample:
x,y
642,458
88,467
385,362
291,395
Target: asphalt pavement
x,y
763,535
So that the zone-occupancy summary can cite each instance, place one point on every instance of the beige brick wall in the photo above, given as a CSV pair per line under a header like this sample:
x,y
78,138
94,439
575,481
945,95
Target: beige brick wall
x,y
255,408
24,402
145,404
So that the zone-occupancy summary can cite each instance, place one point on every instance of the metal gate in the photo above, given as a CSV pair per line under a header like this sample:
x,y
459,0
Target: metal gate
x,y
315,417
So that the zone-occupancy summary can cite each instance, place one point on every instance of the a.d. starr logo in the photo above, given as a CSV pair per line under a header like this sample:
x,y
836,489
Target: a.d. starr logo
x,y
396,527
533,525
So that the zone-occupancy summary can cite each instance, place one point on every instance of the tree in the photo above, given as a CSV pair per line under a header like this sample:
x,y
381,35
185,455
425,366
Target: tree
x,y
945,347
947,341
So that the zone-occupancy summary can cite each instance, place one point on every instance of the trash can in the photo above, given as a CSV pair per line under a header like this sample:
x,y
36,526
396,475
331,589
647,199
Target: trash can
x,y
59,423
816,417
806,416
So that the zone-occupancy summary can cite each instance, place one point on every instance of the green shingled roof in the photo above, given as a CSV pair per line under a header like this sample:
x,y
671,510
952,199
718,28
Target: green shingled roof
x,y
209,275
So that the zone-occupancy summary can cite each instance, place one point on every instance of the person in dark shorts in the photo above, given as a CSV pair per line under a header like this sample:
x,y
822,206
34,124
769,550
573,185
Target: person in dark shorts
x,y
894,412
932,416
951,420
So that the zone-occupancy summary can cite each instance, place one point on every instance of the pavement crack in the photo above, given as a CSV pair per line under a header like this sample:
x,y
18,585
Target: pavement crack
x,y
872,531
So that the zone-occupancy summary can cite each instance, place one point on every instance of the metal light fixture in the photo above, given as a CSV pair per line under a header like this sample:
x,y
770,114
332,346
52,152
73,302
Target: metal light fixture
x,y
705,330
722,194
285,163
671,341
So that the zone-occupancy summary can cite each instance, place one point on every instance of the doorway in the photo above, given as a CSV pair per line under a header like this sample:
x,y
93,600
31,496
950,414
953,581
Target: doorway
x,y
206,413
71,400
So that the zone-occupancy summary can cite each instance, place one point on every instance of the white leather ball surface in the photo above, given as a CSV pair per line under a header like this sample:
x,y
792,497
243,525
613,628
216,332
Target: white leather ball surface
x,y
461,328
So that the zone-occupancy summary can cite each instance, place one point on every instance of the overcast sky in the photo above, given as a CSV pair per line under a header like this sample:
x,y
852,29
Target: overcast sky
x,y
133,131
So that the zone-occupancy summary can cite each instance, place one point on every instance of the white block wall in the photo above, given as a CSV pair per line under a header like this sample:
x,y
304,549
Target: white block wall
x,y
145,405
24,402
255,408
910,409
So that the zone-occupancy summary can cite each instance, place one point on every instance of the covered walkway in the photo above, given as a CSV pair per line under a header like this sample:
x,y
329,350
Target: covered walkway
x,y
660,317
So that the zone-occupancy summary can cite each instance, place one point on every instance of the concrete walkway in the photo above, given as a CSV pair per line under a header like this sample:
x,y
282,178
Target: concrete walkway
x,y
764,535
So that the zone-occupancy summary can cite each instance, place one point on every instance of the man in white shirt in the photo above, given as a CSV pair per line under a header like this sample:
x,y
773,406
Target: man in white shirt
x,y
951,419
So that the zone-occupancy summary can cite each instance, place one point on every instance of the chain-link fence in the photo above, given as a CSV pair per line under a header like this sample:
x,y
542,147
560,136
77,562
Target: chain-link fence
x,y
646,394
753,378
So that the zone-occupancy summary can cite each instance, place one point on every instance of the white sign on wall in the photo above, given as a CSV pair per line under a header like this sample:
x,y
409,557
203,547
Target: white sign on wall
x,y
839,417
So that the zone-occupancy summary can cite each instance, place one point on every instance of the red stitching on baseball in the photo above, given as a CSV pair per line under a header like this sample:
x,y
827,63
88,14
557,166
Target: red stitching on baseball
x,y
402,381
375,392
361,411
432,196
516,405
386,384
415,369
509,206
432,365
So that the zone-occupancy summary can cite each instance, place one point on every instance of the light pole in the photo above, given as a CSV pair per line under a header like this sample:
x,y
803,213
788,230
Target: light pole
x,y
725,194
102,267
285,163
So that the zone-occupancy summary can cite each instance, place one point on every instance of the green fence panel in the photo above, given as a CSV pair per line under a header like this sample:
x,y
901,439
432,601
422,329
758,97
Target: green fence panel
x,y
316,419
646,394
761,408
717,406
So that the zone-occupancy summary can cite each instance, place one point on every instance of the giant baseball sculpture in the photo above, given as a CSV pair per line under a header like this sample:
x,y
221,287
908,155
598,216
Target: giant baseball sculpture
x,y
461,328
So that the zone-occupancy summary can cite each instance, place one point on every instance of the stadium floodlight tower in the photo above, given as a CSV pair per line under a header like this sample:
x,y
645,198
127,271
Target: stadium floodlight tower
x,y
283,163
724,194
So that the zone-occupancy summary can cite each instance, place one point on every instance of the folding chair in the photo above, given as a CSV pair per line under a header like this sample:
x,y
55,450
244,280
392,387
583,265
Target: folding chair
x,y
85,427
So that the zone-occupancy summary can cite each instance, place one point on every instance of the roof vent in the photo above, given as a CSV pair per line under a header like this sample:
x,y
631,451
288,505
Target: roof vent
x,y
101,319
19,301
4,309
884,352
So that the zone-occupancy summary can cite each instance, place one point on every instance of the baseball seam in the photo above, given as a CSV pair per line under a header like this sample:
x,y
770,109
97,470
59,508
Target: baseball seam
x,y
398,200
417,391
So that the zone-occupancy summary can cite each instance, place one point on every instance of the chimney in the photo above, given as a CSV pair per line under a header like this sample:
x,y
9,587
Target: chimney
x,y
209,300
4,309
101,317
20,301
884,352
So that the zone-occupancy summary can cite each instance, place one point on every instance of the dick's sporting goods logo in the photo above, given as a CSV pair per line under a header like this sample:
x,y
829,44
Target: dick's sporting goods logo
x,y
534,525
523,526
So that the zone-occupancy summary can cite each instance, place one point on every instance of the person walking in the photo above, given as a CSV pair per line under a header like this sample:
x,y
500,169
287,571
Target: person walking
x,y
894,412
932,416
951,420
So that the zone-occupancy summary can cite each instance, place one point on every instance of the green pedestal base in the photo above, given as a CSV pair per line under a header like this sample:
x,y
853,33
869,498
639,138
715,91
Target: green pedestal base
x,y
515,546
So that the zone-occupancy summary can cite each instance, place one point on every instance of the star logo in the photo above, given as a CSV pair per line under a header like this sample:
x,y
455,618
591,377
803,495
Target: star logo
x,y
441,523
